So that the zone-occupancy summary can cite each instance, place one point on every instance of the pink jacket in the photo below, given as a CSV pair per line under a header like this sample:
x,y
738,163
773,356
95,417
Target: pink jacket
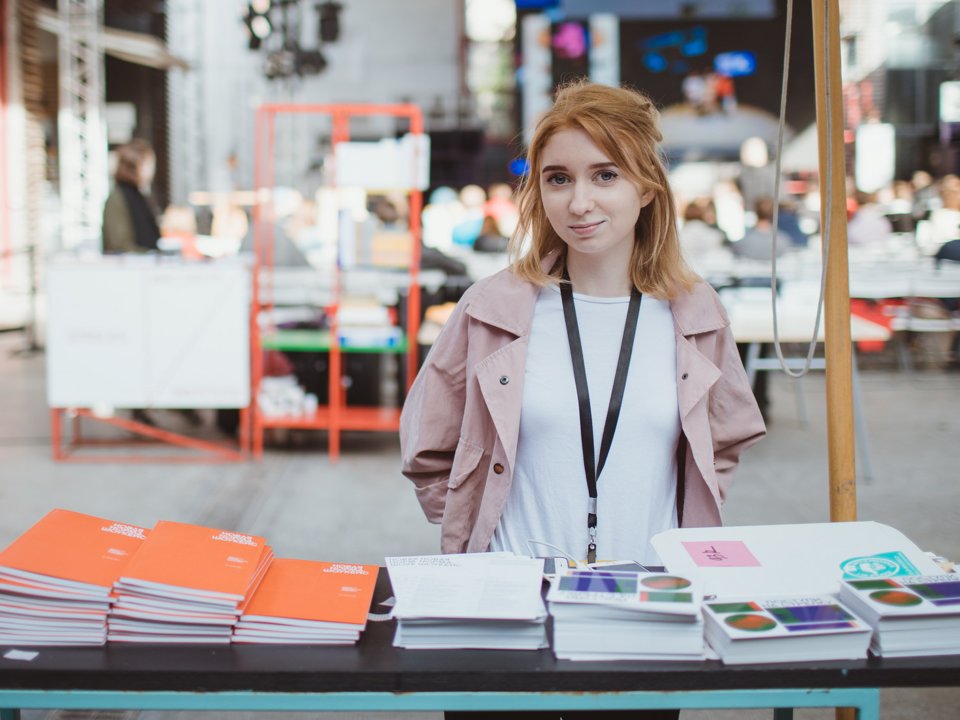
x,y
461,419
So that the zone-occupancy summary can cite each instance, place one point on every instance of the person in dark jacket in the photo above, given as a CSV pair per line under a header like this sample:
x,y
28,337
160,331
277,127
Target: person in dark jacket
x,y
129,217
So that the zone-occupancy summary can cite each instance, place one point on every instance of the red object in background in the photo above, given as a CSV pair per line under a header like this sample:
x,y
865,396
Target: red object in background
x,y
880,312
276,364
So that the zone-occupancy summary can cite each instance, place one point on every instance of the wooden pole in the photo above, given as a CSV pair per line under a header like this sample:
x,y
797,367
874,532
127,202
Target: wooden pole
x,y
840,428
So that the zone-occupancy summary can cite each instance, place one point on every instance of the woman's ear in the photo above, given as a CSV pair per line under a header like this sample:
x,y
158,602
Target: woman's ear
x,y
646,198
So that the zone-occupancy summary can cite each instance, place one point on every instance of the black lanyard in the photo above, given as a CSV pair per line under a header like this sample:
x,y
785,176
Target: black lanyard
x,y
583,396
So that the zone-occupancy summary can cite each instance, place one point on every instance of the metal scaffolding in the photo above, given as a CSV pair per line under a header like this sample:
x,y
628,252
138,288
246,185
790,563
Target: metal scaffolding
x,y
81,124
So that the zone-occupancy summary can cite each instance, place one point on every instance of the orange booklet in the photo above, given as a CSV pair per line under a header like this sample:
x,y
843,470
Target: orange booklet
x,y
79,552
311,593
194,562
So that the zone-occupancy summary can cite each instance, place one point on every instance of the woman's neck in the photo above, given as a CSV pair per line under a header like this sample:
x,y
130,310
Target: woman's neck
x,y
599,276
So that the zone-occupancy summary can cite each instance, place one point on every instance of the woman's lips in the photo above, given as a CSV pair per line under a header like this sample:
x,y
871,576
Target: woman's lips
x,y
585,228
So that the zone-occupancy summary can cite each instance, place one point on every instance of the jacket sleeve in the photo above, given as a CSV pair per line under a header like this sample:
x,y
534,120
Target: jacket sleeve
x,y
432,415
118,232
735,419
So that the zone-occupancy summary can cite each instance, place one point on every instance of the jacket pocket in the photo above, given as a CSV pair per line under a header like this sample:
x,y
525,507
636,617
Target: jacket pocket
x,y
465,462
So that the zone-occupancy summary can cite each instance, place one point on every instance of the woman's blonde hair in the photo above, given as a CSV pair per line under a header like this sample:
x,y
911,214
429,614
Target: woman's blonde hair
x,y
623,124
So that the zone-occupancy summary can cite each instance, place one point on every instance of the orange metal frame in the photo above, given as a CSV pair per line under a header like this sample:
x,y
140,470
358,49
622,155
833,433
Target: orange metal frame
x,y
207,451
335,417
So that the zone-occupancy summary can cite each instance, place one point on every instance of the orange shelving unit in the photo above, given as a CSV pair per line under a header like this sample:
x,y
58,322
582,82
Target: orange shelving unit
x,y
336,416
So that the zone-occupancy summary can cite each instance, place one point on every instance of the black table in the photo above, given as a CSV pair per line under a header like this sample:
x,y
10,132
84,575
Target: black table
x,y
375,676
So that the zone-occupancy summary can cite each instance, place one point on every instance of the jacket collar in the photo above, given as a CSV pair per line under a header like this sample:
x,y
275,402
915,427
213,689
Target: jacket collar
x,y
507,302
698,311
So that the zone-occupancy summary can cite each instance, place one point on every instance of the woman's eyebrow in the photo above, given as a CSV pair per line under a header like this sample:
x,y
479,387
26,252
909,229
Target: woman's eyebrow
x,y
595,166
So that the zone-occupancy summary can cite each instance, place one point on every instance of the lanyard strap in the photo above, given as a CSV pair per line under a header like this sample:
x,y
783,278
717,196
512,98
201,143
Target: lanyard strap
x,y
591,470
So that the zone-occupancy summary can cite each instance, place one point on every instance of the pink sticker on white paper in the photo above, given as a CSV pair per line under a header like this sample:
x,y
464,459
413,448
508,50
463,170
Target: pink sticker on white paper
x,y
721,553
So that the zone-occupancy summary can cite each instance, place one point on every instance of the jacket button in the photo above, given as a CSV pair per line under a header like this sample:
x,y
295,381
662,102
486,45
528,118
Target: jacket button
x,y
498,468
504,379
684,376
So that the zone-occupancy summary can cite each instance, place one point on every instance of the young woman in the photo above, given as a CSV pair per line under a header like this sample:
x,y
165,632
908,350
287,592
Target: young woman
x,y
491,431
596,366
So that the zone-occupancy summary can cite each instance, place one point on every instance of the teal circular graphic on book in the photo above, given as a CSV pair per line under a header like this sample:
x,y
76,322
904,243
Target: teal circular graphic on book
x,y
880,565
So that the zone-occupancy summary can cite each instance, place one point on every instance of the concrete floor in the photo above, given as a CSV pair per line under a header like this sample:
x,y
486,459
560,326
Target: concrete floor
x,y
362,509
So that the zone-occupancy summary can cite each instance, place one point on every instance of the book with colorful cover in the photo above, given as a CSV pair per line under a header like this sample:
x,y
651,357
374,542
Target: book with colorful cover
x,y
784,629
194,562
70,552
916,596
616,615
655,595
312,593
911,616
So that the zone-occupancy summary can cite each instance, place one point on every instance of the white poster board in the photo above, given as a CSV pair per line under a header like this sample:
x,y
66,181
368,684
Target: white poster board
x,y
805,559
132,332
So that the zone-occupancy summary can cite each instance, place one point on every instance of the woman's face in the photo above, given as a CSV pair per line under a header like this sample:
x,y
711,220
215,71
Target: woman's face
x,y
589,201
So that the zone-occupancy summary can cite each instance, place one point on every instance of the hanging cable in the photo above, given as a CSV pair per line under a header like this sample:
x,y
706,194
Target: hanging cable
x,y
827,214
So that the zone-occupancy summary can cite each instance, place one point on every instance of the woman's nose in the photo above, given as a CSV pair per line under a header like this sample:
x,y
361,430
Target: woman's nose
x,y
581,201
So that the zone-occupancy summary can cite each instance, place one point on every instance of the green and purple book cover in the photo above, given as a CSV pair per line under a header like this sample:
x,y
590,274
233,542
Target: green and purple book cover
x,y
917,595
783,617
646,592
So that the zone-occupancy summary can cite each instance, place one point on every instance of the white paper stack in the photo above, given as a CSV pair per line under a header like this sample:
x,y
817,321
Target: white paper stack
x,y
786,629
486,601
187,584
911,615
606,615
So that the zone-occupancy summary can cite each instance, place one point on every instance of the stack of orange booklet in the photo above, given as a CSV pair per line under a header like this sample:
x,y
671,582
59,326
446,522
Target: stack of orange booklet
x,y
303,602
56,579
187,584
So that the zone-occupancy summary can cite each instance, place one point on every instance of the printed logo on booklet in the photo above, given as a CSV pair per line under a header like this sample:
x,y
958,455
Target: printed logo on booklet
x,y
346,569
127,530
889,564
238,538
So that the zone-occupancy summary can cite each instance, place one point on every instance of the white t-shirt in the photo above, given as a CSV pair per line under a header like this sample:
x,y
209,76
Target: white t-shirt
x,y
636,492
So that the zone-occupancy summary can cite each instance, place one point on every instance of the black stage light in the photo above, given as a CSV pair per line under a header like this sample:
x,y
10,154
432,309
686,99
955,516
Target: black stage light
x,y
310,62
257,20
329,20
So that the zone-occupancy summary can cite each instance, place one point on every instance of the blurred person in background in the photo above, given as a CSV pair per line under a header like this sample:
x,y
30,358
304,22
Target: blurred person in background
x,y
756,244
698,239
467,230
868,226
501,207
129,216
788,222
925,195
491,239
945,220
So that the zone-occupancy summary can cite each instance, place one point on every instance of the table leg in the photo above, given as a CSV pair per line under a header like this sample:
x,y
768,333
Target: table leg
x,y
783,714
9,714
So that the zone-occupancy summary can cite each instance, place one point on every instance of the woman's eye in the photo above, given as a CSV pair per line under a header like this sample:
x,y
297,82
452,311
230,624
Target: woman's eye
x,y
606,176
557,180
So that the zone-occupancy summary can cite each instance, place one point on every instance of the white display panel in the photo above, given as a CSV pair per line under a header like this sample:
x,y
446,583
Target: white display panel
x,y
137,333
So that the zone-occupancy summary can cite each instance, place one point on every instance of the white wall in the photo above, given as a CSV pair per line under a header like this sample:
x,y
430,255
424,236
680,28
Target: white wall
x,y
388,51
